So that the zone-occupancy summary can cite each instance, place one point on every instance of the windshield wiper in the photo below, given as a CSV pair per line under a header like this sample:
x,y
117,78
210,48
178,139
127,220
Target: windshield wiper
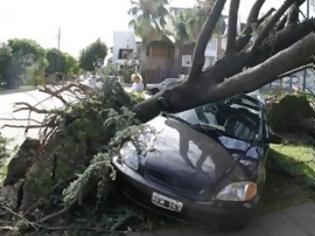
x,y
169,115
205,127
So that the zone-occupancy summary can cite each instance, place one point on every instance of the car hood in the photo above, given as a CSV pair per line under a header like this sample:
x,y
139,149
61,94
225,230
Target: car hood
x,y
185,160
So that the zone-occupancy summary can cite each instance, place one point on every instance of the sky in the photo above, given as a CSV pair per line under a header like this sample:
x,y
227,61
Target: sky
x,y
81,21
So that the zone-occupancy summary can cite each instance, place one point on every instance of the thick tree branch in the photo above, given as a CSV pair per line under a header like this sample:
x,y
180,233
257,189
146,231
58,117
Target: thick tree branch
x,y
252,22
296,70
264,17
53,93
267,71
283,39
27,107
231,65
232,30
271,23
206,33
293,15
246,81
254,13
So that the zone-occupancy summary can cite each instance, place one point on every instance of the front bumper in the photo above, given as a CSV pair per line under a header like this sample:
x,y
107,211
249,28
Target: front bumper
x,y
212,213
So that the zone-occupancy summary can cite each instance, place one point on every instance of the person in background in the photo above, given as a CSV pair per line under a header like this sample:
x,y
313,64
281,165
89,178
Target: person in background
x,y
137,84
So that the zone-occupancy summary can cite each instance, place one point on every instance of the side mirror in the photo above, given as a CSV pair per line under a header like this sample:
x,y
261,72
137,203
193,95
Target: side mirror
x,y
275,139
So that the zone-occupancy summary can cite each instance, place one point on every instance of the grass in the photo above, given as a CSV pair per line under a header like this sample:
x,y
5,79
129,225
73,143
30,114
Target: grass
x,y
291,176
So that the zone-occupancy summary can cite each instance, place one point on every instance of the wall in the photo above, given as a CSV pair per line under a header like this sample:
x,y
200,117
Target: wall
x,y
123,40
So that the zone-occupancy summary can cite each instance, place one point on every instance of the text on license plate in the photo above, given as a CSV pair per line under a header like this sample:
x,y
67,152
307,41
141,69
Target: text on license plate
x,y
166,202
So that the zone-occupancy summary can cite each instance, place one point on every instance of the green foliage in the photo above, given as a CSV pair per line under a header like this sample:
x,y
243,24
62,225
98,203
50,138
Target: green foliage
x,y
3,147
188,22
71,65
84,129
149,18
20,60
5,57
289,112
59,62
93,56
291,174
296,160
56,61
100,170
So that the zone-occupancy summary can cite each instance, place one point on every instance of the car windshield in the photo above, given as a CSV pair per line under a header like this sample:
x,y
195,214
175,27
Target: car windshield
x,y
233,117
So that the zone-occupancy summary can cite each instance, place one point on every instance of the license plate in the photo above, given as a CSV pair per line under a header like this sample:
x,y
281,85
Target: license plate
x,y
166,202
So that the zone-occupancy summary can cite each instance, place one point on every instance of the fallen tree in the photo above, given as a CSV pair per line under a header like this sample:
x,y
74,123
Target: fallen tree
x,y
70,165
267,47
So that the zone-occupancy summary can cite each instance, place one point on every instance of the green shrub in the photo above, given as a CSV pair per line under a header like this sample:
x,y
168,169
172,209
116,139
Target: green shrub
x,y
3,147
286,115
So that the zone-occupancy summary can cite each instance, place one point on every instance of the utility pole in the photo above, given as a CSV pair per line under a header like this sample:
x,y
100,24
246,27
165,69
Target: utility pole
x,y
59,37
307,16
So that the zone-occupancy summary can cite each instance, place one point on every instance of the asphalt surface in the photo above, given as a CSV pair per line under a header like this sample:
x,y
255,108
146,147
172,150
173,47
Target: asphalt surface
x,y
295,221
7,105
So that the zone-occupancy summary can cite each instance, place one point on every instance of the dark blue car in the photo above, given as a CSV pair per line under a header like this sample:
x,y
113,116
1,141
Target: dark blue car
x,y
205,165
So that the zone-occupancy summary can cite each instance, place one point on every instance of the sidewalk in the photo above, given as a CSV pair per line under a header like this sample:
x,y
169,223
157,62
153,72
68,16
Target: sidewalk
x,y
18,90
295,221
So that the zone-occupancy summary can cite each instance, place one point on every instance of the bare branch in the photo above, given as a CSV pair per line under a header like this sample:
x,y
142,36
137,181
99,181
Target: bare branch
x,y
232,30
271,23
231,65
18,215
21,120
55,94
280,25
24,126
206,33
254,13
293,15
296,70
269,70
264,17
28,107
252,22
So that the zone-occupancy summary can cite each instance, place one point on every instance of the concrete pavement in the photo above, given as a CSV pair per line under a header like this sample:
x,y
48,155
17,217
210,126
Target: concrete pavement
x,y
7,102
295,221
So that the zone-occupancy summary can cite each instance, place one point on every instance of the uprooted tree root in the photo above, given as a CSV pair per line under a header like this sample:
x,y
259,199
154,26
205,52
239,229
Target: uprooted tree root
x,y
69,178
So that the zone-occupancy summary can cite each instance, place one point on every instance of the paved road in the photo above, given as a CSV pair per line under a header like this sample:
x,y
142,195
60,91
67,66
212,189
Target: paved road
x,y
295,221
7,102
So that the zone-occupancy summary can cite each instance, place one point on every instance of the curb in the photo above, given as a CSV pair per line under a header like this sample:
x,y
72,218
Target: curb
x,y
9,91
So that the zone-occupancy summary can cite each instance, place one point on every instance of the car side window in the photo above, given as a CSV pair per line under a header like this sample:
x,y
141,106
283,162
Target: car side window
x,y
266,131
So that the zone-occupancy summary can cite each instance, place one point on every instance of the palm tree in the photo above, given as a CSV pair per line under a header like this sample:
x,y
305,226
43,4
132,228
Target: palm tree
x,y
149,18
188,22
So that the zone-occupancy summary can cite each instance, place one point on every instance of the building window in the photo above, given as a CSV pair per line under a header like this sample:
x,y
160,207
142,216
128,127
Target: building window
x,y
124,53
160,52
160,49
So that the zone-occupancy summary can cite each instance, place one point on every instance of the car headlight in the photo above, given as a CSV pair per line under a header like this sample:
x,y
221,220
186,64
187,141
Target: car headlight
x,y
129,156
238,192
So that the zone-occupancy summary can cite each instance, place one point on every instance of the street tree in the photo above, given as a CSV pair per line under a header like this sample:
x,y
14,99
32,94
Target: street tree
x,y
268,46
71,65
188,22
149,18
62,63
56,61
5,57
93,56
21,60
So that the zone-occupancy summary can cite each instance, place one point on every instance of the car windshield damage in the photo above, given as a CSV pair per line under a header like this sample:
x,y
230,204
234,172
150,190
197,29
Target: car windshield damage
x,y
236,117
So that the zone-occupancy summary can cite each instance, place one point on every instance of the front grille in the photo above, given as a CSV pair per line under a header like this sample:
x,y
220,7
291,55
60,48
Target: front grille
x,y
175,184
